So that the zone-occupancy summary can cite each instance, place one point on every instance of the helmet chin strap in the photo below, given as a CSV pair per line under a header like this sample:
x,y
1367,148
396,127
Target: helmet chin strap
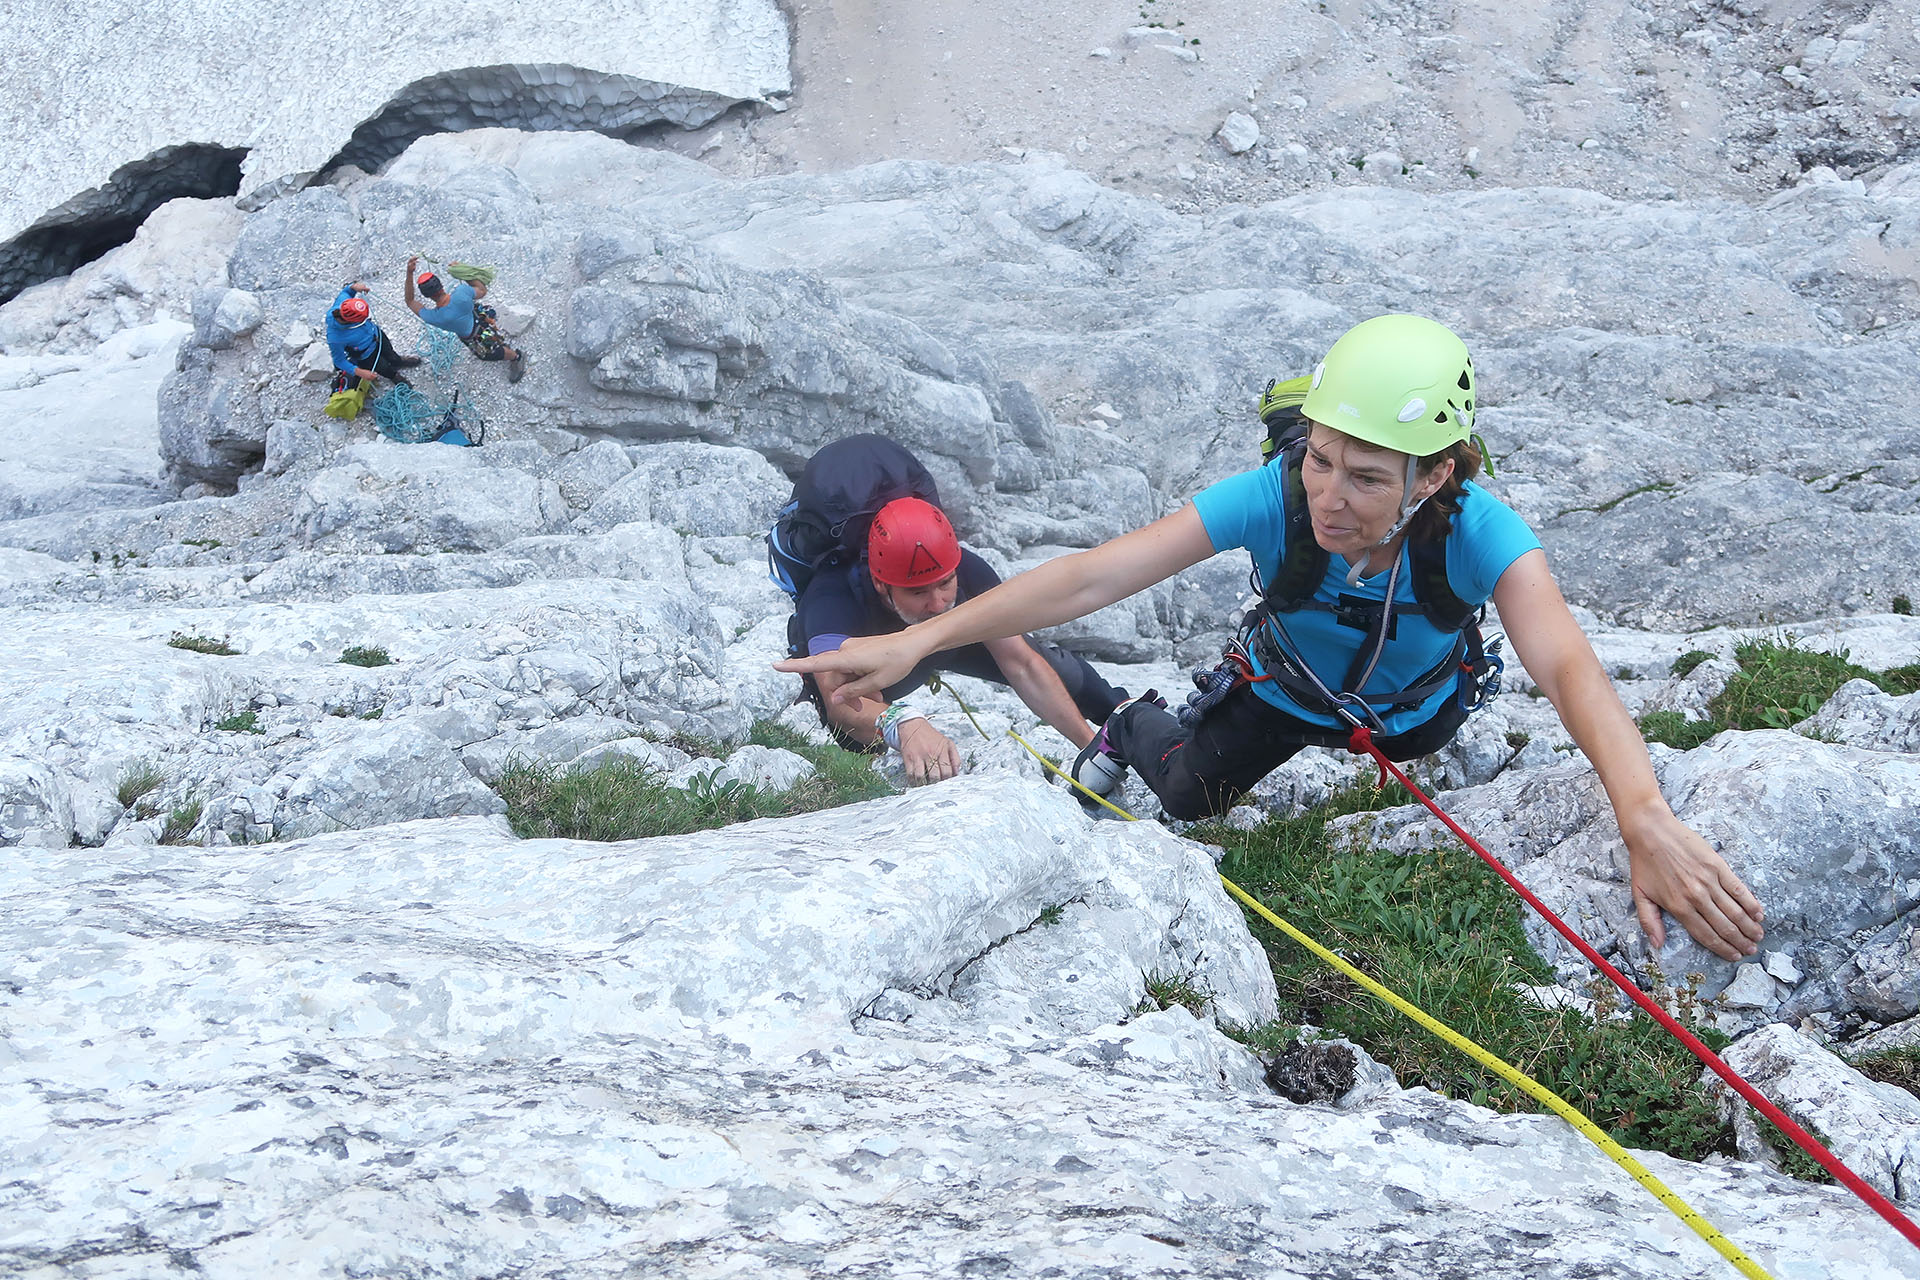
x,y
1408,506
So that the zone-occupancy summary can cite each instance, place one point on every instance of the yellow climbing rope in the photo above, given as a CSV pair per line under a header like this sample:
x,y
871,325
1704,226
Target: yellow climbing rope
x,y
1486,1058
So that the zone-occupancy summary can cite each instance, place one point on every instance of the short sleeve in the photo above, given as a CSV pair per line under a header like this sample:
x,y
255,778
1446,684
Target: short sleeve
x,y
1491,536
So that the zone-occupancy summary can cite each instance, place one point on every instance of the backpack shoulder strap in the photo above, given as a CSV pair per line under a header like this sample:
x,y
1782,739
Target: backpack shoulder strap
x,y
1303,563
1444,608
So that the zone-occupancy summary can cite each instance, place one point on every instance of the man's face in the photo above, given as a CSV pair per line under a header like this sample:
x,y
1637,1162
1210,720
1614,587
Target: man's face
x,y
917,604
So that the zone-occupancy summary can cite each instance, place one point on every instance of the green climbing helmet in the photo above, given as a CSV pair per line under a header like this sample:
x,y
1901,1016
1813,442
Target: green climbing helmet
x,y
1400,382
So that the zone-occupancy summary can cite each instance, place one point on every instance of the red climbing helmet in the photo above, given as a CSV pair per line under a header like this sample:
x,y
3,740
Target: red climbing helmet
x,y
429,283
910,544
354,310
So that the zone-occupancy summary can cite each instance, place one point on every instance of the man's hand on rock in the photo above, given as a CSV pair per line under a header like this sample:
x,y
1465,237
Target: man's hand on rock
x,y
928,754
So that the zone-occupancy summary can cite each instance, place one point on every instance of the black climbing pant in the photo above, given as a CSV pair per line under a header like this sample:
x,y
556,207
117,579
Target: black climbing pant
x,y
1200,773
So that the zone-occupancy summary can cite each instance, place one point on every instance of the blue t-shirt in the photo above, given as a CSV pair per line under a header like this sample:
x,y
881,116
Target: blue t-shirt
x,y
1249,510
456,317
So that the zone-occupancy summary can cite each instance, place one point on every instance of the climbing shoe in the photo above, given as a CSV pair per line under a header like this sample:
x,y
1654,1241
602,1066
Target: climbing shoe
x,y
1098,770
516,368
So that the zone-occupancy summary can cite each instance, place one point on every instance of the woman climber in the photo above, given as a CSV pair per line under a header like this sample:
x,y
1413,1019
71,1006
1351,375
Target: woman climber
x,y
1373,550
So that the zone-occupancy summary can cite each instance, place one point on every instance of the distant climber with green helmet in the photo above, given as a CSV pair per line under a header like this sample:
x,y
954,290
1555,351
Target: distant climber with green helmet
x,y
1374,552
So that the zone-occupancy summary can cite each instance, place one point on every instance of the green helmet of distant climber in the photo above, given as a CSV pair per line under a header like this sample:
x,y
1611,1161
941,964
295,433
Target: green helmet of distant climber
x,y
1400,382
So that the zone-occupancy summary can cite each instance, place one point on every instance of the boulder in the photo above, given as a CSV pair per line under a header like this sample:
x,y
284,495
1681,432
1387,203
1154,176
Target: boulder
x,y
1872,1128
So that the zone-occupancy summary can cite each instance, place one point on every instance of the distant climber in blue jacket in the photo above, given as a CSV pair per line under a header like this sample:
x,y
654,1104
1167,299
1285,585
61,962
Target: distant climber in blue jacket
x,y
361,348
461,313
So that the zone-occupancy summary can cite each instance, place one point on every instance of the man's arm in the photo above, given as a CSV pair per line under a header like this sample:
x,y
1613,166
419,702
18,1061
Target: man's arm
x,y
1672,867
1040,687
927,754
1058,591
413,303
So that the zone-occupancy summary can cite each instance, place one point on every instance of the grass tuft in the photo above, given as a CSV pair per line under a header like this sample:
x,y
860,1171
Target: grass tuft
x,y
1899,1066
242,722
1165,990
182,820
359,655
137,781
1686,662
626,800
1675,730
202,644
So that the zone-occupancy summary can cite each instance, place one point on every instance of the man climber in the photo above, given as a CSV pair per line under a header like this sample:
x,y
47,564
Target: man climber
x,y
915,569
461,313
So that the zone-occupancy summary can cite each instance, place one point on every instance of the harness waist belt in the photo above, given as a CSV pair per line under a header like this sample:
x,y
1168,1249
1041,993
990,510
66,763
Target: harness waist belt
x,y
1286,672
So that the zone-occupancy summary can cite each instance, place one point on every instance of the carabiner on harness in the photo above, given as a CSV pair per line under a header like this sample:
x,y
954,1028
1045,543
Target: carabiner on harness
x,y
1482,672
1213,684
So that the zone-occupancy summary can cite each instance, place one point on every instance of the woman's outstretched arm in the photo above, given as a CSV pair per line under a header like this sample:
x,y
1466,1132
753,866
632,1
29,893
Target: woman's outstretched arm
x,y
1672,867
1058,591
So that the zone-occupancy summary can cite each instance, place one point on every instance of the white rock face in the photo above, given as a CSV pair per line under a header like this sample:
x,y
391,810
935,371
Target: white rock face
x,y
781,1047
134,86
1873,1128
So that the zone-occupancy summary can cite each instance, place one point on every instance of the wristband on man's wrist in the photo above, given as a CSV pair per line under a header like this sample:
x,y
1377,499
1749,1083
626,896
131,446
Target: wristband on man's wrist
x,y
893,717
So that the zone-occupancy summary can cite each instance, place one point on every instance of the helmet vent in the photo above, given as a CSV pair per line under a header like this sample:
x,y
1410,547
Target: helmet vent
x,y
1413,410
1466,378
1440,417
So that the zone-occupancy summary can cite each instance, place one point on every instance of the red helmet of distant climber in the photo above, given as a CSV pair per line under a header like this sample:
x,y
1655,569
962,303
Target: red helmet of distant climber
x,y
910,544
354,310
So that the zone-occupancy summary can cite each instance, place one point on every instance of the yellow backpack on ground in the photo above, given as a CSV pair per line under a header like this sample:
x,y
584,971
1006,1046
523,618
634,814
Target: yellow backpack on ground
x,y
346,405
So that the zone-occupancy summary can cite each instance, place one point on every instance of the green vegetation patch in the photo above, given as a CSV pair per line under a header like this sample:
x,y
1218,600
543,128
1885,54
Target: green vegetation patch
x,y
1675,730
1897,1066
181,820
1444,932
1684,664
243,722
626,800
360,655
1165,990
202,644
137,781
1778,685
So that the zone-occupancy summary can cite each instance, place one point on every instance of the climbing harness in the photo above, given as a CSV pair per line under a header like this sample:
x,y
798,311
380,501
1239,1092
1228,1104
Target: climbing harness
x,y
1361,743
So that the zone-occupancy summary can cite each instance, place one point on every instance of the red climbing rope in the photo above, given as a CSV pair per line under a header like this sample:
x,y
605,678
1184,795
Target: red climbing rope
x,y
1361,743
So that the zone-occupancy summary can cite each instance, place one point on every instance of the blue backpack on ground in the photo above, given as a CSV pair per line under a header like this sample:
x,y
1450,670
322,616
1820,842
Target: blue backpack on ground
x,y
843,486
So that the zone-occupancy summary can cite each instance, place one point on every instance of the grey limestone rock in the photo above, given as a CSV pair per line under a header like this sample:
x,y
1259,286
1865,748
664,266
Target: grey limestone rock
x,y
388,772
848,1027
1815,830
1873,1128
1861,714
1239,133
